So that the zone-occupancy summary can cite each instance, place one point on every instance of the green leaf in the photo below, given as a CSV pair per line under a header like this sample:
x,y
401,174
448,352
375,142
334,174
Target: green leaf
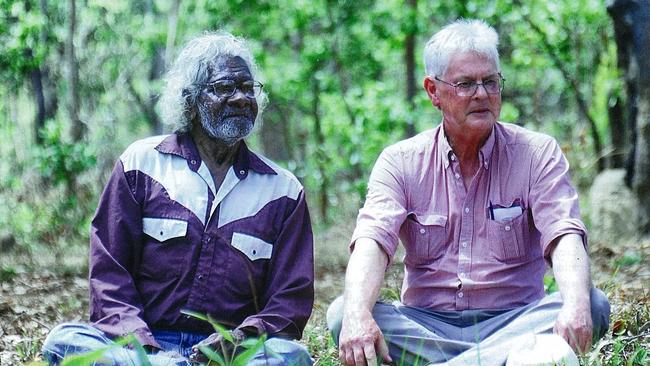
x,y
243,358
212,355
85,359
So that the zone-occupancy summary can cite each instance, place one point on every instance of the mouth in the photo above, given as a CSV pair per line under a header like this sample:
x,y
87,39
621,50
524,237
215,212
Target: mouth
x,y
479,111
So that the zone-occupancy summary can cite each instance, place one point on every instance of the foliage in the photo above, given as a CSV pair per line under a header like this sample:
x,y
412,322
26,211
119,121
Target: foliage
x,y
240,353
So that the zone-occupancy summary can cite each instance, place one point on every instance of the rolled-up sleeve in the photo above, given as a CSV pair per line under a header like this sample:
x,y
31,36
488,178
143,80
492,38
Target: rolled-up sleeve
x,y
384,211
115,244
553,199
289,293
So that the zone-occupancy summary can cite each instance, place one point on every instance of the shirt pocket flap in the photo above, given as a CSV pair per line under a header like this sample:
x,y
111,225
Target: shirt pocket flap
x,y
430,219
252,247
164,229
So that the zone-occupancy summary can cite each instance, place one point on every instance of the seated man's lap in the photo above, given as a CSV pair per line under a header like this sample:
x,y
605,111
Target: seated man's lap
x,y
401,324
75,338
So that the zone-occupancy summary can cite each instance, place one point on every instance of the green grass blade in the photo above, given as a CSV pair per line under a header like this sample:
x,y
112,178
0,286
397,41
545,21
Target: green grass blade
x,y
212,355
243,358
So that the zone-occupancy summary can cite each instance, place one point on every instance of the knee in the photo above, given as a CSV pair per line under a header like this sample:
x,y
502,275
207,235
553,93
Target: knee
x,y
287,352
334,318
600,311
61,338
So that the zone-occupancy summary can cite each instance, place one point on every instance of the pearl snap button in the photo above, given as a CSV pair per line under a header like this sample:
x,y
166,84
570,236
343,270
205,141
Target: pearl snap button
x,y
464,244
507,228
466,209
457,176
422,231
460,294
241,172
193,162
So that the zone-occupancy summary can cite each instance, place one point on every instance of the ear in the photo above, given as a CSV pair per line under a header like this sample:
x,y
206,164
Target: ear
x,y
430,87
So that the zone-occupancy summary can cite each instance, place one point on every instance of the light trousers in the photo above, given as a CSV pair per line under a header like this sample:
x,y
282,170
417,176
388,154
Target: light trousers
x,y
417,336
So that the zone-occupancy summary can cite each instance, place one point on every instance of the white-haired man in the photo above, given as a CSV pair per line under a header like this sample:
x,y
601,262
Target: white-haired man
x,y
196,221
481,207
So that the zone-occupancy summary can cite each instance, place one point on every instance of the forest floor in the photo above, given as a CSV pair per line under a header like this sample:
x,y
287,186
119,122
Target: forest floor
x,y
32,301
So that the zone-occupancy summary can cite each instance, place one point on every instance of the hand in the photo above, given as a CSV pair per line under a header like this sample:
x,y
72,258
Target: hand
x,y
574,324
361,340
217,343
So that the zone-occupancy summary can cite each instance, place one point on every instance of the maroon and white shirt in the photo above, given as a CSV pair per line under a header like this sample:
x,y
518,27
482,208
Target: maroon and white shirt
x,y
164,239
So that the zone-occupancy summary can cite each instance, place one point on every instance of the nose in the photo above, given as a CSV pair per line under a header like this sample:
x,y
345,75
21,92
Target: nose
x,y
238,98
481,91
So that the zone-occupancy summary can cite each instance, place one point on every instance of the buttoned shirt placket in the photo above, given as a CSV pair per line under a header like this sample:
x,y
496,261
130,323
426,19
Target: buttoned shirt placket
x,y
468,197
205,265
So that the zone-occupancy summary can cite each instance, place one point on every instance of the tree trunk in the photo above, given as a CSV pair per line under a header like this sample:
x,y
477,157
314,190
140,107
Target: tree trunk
x,y
618,132
409,60
274,132
321,158
631,23
78,129
39,99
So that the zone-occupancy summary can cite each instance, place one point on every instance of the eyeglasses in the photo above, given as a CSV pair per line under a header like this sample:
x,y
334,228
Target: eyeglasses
x,y
468,88
227,88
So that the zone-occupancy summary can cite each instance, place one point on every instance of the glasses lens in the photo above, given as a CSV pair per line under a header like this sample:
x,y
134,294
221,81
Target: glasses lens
x,y
466,89
248,88
224,88
492,86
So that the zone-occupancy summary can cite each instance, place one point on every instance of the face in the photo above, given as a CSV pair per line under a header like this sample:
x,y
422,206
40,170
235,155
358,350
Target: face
x,y
466,118
227,119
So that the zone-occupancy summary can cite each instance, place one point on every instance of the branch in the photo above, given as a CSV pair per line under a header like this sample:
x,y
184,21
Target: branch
x,y
572,81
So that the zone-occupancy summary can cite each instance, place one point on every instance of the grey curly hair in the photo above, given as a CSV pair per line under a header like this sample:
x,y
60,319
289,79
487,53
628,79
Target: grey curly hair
x,y
464,35
190,72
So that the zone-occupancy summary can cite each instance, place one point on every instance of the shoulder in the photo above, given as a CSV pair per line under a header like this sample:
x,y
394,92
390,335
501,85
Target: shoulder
x,y
282,177
413,146
514,136
140,151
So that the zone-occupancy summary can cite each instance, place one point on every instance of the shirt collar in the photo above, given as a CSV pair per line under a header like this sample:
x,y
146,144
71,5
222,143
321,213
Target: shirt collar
x,y
447,153
182,145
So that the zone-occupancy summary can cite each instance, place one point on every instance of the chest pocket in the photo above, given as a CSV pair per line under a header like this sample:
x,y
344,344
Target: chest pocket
x,y
252,247
510,238
425,236
164,229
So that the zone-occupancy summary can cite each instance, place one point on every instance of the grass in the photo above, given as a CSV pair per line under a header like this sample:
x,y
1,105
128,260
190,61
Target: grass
x,y
50,297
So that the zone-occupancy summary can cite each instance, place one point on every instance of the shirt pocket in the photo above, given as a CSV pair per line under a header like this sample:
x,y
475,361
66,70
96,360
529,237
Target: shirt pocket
x,y
165,247
425,236
509,239
253,248
164,229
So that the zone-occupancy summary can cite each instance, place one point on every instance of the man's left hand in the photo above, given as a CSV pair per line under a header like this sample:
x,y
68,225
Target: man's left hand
x,y
218,344
574,324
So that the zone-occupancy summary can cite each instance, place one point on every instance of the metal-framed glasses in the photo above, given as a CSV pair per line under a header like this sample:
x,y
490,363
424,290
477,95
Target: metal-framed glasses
x,y
492,85
227,88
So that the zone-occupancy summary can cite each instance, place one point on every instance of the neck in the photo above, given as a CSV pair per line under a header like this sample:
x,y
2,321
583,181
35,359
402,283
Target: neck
x,y
466,146
214,152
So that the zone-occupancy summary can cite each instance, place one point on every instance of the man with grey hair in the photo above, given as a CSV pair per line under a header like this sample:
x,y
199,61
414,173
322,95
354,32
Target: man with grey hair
x,y
481,208
195,222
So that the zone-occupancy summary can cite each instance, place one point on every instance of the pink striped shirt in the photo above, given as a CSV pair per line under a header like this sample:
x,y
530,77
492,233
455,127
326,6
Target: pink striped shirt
x,y
483,247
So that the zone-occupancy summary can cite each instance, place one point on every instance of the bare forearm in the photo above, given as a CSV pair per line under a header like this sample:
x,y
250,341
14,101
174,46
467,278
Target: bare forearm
x,y
571,270
364,275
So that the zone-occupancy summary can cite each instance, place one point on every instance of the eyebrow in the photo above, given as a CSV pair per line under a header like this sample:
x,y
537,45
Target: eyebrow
x,y
463,79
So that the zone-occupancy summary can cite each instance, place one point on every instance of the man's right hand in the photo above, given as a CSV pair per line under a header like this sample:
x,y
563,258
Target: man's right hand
x,y
361,340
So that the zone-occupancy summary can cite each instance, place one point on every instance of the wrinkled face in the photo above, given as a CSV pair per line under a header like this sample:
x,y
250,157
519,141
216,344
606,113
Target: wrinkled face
x,y
466,116
227,119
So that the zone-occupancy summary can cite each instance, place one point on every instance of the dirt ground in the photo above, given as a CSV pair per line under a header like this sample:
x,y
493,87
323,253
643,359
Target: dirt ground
x,y
32,302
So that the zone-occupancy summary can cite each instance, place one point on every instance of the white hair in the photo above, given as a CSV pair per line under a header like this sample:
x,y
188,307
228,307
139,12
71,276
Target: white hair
x,y
464,35
191,71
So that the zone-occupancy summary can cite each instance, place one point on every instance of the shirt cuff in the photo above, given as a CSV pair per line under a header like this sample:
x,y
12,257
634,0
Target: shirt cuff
x,y
382,238
145,338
